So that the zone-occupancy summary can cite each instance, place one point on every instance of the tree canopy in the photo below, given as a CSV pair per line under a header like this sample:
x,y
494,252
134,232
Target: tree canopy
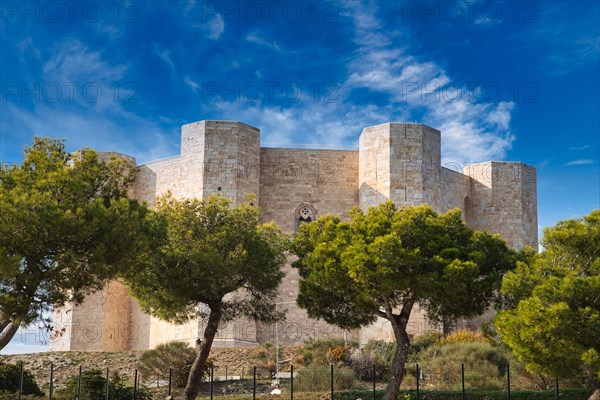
x,y
216,255
384,262
552,320
66,227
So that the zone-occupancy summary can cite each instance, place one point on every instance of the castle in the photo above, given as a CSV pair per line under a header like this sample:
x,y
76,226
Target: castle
x,y
397,161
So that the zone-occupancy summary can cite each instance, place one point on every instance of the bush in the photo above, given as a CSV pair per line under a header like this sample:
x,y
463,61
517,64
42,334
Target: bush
x,y
265,358
325,352
485,366
318,378
378,354
424,341
463,336
177,356
10,375
93,384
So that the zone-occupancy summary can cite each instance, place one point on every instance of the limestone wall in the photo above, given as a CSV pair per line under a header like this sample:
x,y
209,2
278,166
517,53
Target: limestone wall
x,y
400,162
505,201
325,179
455,189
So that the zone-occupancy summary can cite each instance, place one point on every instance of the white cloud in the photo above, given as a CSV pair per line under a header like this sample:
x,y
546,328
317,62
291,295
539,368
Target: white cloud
x,y
88,111
254,38
579,148
165,56
72,61
472,130
216,26
584,161
193,85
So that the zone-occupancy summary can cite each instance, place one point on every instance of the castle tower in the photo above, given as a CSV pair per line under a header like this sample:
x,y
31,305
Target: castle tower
x,y
220,157
504,201
401,162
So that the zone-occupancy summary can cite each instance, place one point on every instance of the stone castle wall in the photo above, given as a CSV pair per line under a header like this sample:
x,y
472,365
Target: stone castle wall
x,y
395,161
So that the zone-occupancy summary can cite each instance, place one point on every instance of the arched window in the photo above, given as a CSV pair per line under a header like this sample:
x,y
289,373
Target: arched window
x,y
304,213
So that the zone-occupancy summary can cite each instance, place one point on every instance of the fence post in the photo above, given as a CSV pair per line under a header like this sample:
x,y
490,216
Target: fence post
x,y
462,376
212,377
508,380
374,381
79,384
331,381
418,375
242,377
170,376
291,382
135,381
51,390
557,389
254,384
107,384
158,381
225,373
21,381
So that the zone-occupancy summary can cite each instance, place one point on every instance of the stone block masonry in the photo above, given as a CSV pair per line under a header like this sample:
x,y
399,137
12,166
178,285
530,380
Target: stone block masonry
x,y
397,161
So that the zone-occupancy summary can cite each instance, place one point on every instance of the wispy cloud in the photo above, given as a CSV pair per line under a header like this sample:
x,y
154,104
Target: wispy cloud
x,y
193,85
90,114
583,161
72,61
572,37
254,38
216,26
471,130
165,56
579,148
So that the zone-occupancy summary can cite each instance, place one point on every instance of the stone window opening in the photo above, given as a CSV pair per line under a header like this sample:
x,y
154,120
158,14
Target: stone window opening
x,y
305,213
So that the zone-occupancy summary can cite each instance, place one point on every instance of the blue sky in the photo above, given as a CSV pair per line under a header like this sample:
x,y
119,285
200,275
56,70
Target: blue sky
x,y
515,81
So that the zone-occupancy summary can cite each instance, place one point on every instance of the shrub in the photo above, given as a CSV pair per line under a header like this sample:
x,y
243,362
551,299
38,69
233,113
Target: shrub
x,y
265,358
317,378
376,353
463,336
325,352
10,375
485,366
176,355
424,341
93,384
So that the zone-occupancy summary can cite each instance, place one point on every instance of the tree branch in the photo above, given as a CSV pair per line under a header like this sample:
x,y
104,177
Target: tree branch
x,y
8,333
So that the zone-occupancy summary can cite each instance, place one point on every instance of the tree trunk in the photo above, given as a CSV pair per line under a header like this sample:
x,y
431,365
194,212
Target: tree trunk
x,y
199,365
399,324
595,395
8,332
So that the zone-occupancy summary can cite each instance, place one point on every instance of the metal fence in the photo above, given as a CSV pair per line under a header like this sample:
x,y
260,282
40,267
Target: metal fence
x,y
259,375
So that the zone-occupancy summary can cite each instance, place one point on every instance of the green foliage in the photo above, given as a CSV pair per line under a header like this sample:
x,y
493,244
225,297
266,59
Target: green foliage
x,y
423,342
318,378
485,366
212,249
552,320
93,387
217,262
175,356
391,259
351,270
66,227
10,375
325,352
